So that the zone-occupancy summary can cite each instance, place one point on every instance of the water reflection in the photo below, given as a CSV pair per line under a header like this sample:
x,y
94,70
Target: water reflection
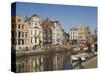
x,y
44,62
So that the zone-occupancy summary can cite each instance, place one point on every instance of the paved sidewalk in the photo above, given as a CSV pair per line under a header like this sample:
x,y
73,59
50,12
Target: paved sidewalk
x,y
91,63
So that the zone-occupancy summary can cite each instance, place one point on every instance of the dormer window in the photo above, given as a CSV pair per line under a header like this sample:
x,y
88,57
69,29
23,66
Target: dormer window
x,y
35,24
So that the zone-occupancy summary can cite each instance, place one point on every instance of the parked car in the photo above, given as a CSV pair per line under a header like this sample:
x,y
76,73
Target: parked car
x,y
83,56
85,48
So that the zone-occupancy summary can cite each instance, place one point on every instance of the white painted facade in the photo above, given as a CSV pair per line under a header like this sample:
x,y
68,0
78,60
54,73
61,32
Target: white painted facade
x,y
80,34
35,31
74,36
57,34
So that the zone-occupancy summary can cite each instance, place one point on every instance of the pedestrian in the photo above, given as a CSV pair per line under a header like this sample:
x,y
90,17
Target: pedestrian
x,y
79,60
80,63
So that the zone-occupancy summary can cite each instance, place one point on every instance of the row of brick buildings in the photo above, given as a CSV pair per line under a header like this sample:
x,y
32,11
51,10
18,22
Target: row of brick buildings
x,y
32,32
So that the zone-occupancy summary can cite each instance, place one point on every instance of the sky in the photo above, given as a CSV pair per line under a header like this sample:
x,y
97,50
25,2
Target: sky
x,y
68,15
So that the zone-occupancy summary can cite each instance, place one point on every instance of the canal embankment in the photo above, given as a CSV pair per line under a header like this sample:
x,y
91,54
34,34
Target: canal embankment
x,y
91,62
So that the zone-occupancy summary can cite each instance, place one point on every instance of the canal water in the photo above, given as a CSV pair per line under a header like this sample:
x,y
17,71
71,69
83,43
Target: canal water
x,y
49,61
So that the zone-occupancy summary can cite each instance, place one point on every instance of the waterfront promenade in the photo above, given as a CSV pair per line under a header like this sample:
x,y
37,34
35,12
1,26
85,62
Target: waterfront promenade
x,y
91,63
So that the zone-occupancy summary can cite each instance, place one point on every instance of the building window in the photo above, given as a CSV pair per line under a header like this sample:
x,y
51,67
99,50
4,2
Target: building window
x,y
12,41
16,26
31,32
22,34
31,40
19,42
15,35
35,39
19,34
35,32
35,24
26,34
19,20
12,34
19,25
22,26
22,42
